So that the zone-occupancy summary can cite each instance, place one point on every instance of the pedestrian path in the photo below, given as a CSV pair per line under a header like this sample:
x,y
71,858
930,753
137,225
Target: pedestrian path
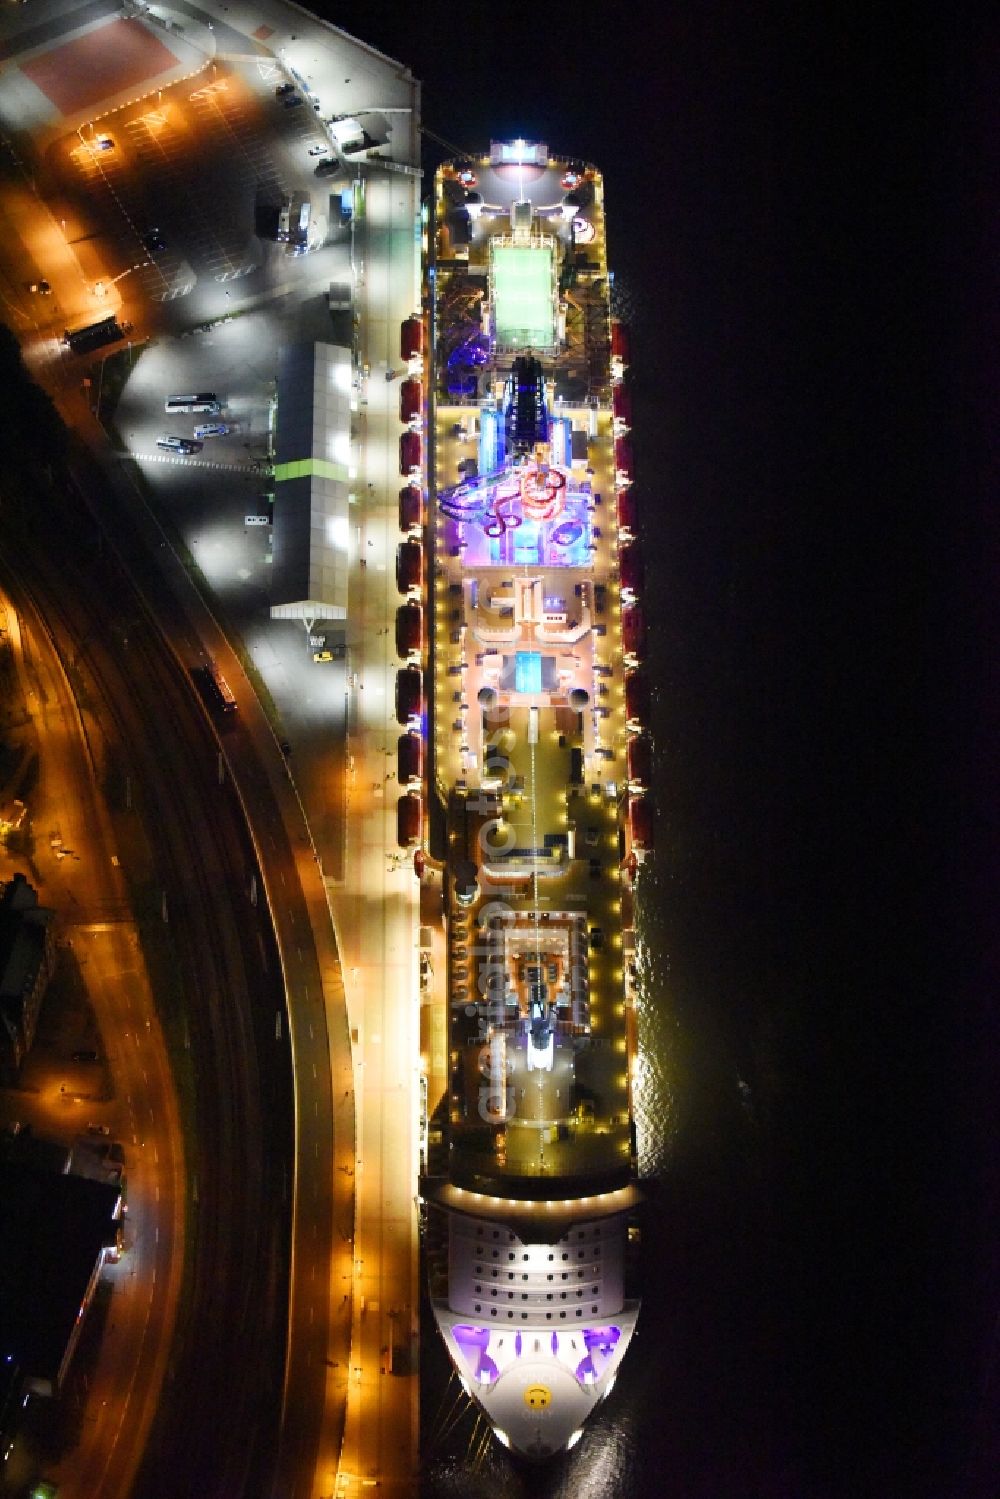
x,y
231,468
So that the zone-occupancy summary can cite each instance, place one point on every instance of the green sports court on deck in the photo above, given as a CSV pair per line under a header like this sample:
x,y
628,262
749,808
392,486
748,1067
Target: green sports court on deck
x,y
522,296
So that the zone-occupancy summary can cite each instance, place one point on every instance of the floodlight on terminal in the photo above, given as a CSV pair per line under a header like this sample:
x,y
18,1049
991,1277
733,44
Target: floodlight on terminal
x,y
338,532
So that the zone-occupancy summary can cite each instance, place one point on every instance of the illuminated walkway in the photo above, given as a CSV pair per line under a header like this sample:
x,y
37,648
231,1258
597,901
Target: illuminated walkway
x,y
376,909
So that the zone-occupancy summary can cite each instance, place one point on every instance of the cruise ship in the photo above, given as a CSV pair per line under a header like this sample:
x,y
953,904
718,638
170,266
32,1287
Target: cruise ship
x,y
536,783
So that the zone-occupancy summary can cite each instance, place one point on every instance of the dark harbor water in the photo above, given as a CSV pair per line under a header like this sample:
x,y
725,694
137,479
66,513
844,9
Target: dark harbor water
x,y
795,246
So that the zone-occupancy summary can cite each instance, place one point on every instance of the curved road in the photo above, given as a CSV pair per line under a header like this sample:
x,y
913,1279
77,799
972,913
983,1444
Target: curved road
x,y
217,1427
319,1305
322,1290
88,891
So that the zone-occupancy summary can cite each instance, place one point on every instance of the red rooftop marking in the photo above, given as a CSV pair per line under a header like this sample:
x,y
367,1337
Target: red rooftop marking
x,y
105,61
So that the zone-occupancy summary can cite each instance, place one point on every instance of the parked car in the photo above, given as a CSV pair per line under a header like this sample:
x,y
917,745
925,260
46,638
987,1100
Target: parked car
x,y
284,88
85,1056
98,1129
319,150
212,429
292,101
103,143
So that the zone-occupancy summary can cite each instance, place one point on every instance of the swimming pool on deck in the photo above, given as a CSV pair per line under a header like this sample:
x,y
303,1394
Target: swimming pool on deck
x,y
528,671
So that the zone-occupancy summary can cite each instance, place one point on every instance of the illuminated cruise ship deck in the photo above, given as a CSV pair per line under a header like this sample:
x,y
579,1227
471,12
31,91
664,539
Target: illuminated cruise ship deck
x,y
539,757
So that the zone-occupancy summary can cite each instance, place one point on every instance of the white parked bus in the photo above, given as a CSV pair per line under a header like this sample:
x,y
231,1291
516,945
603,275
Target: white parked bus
x,y
206,401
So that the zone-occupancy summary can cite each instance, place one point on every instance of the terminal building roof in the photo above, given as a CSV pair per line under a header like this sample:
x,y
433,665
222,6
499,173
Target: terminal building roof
x,y
312,476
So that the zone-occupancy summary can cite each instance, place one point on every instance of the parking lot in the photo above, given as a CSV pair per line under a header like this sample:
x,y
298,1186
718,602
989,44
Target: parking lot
x,y
205,500
206,497
170,210
198,164
162,210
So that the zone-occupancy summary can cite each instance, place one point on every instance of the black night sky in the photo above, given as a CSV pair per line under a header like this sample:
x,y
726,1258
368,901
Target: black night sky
x,y
798,216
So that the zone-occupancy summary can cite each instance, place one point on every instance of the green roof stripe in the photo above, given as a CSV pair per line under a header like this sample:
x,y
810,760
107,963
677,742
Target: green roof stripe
x,y
310,468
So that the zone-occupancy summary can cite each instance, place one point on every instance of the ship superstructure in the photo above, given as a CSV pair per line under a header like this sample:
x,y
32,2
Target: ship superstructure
x,y
539,758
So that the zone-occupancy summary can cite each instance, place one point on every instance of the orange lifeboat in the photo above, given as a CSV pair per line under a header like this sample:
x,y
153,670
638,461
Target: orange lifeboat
x,y
621,342
640,820
411,338
630,569
411,507
409,758
409,694
634,631
640,762
410,451
410,400
636,699
409,629
621,405
627,510
408,820
409,565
